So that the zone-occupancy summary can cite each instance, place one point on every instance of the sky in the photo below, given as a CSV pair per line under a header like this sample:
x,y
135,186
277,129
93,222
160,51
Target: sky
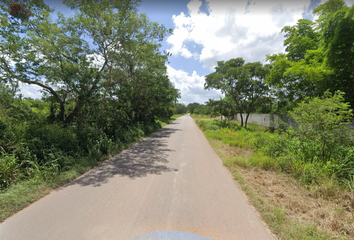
x,y
207,31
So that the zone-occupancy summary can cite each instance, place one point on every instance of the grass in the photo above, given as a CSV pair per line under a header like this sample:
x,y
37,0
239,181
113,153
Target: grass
x,y
291,209
23,193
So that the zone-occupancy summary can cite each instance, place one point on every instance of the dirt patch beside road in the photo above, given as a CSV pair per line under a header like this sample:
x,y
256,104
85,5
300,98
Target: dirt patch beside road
x,y
292,211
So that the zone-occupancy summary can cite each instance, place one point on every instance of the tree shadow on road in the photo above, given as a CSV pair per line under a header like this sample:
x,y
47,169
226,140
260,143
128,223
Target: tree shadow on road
x,y
149,156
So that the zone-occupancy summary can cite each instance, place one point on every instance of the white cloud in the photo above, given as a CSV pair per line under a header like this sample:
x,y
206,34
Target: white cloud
x,y
97,60
191,86
185,52
349,2
248,29
30,90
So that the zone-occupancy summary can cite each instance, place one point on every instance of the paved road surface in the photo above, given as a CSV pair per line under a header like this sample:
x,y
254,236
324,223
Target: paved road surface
x,y
170,181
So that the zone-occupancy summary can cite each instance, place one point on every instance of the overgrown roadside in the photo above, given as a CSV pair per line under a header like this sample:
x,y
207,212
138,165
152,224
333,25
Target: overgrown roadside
x,y
292,209
23,193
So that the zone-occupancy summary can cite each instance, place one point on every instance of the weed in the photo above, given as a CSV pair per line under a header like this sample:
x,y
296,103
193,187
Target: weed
x,y
257,157
52,155
9,169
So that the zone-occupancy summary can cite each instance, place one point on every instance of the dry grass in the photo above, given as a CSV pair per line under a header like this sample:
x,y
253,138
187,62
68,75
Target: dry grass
x,y
292,211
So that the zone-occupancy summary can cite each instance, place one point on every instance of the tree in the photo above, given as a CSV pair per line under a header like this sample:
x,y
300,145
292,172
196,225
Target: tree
x,y
81,58
223,107
322,122
319,56
192,106
294,81
338,38
203,110
180,108
243,83
300,72
299,39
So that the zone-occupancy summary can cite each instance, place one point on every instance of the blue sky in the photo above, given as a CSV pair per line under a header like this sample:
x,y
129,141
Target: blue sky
x,y
207,31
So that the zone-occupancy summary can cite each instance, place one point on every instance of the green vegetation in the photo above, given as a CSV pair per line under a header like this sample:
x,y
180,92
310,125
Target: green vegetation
x,y
318,155
38,155
318,57
240,152
319,149
104,84
242,84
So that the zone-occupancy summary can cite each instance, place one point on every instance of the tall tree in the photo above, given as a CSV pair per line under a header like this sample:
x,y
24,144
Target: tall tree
x,y
299,39
78,58
192,106
336,23
243,83
319,56
299,72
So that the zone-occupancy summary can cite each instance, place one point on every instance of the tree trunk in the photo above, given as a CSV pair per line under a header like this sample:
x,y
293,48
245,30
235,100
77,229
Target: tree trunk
x,y
73,113
62,111
248,114
241,119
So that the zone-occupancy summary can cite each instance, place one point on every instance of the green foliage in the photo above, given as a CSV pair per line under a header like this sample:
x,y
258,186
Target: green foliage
x,y
201,109
320,149
323,122
242,83
192,106
338,37
299,39
106,52
319,56
104,82
223,107
9,169
42,152
180,108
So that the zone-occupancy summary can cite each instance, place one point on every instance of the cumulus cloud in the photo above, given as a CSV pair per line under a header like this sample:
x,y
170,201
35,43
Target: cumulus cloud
x,y
248,28
308,13
30,90
191,86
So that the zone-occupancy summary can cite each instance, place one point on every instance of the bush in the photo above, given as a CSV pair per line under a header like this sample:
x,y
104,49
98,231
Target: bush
x,y
41,150
9,169
320,149
322,125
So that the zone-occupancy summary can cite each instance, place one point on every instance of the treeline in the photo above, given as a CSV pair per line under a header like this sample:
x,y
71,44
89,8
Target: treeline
x,y
193,108
319,57
102,76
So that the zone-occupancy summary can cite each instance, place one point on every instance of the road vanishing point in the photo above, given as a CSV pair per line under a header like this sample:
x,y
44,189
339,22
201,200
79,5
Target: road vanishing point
x,y
169,181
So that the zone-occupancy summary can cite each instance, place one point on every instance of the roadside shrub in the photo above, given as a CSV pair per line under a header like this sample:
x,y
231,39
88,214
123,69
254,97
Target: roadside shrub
x,y
9,169
44,150
50,136
201,124
323,125
321,148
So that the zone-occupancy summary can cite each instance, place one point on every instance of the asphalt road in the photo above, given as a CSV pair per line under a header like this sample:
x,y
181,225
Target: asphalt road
x,y
170,181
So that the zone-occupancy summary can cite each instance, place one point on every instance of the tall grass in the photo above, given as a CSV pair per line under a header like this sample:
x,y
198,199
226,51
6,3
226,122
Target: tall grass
x,y
284,151
45,151
44,157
